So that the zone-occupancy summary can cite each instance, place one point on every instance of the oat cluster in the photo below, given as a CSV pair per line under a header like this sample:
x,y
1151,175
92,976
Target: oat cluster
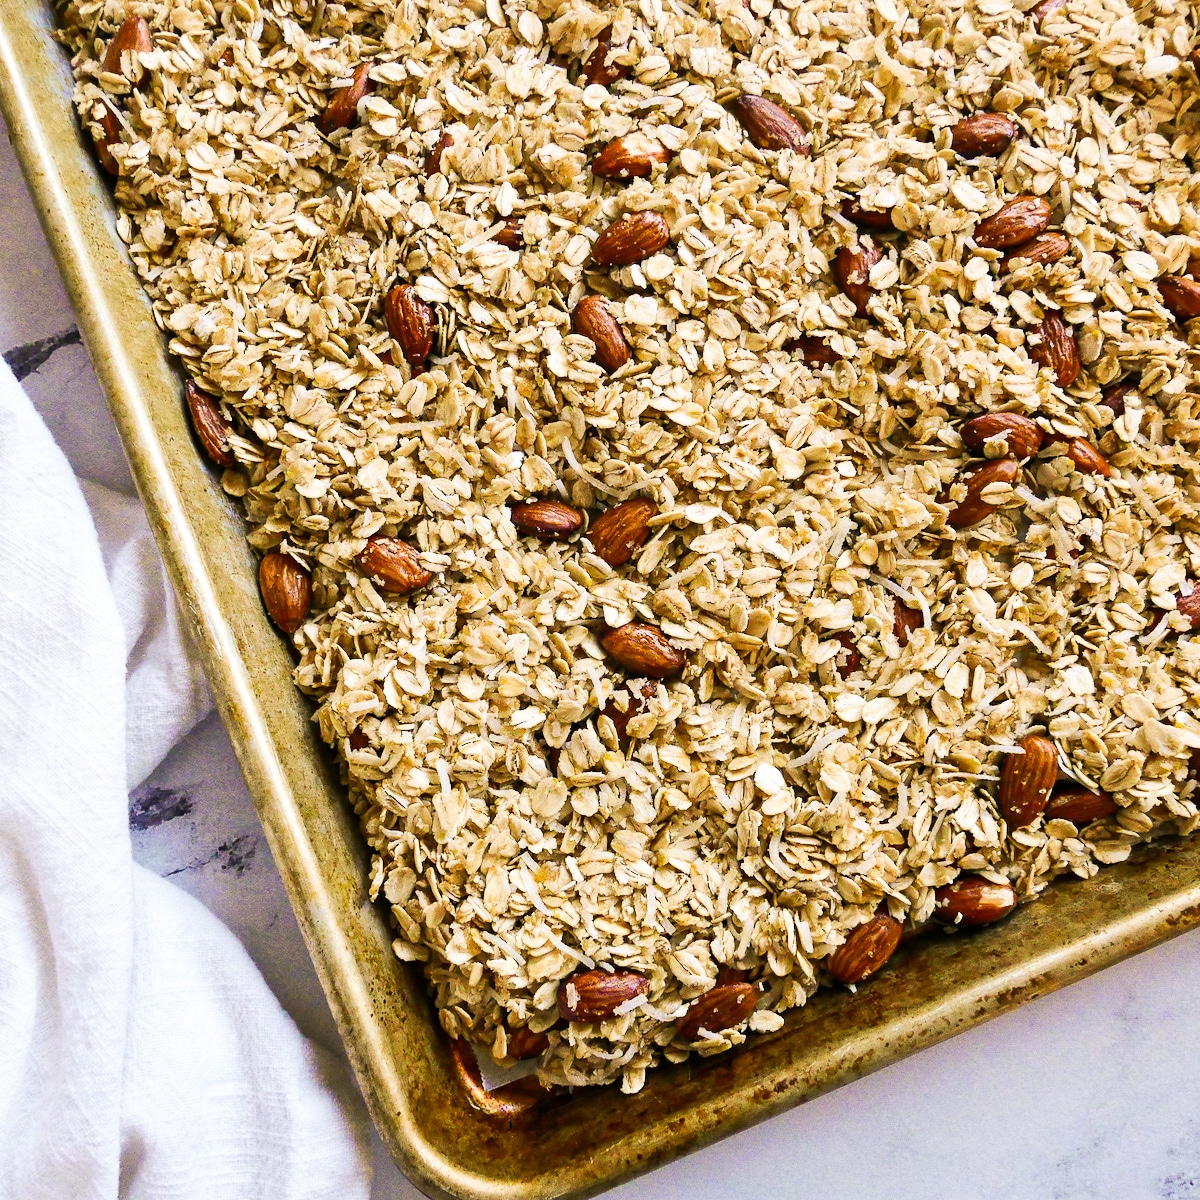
x,y
816,758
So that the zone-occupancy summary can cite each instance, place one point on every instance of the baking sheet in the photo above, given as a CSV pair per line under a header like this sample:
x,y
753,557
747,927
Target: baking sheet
x,y
447,1135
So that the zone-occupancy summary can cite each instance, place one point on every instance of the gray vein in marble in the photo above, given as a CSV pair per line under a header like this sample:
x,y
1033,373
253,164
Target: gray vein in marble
x,y
152,805
235,855
26,359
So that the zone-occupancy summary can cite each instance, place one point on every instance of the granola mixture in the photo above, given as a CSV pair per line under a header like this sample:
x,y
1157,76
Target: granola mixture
x,y
863,631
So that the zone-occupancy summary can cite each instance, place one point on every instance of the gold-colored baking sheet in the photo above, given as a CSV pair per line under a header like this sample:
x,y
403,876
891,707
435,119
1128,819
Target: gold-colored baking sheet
x,y
448,1136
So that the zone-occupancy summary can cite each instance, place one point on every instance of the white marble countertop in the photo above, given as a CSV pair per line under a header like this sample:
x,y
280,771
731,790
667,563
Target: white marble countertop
x,y
1090,1092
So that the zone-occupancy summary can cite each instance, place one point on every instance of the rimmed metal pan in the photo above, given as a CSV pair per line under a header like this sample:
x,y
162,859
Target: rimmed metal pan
x,y
446,1134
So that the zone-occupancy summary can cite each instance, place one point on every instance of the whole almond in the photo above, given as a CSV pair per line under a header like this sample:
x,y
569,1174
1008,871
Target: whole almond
x,y
852,266
847,660
1073,802
767,125
597,68
813,351
1057,349
620,714
1042,250
1181,295
1026,780
1018,221
630,157
619,532
132,38
594,995
974,508
630,239
982,133
212,429
720,1008
393,566
550,520
1087,458
973,900
594,321
510,236
1189,606
433,160
109,136
342,110
1020,436
411,321
1046,8
879,219
523,1043
866,949
905,621
286,590
643,650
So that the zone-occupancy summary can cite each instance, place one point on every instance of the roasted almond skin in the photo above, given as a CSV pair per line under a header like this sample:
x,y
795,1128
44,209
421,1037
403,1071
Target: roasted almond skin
x,y
1042,250
1026,780
594,995
812,350
212,429
411,321
433,160
720,1008
597,70
1057,349
133,36
973,508
643,650
1087,458
523,1043
1113,397
848,660
852,267
878,219
594,321
286,590
630,157
618,533
1043,10
973,900
342,110
1073,802
110,135
510,236
550,520
1022,435
1018,221
393,566
905,621
1181,296
631,239
767,125
982,133
866,949
1189,606
639,693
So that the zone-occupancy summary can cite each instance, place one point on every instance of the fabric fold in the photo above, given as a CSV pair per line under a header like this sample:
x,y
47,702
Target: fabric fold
x,y
141,1053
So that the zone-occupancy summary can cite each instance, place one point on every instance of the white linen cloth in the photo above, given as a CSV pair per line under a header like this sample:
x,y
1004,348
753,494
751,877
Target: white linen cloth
x,y
141,1053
